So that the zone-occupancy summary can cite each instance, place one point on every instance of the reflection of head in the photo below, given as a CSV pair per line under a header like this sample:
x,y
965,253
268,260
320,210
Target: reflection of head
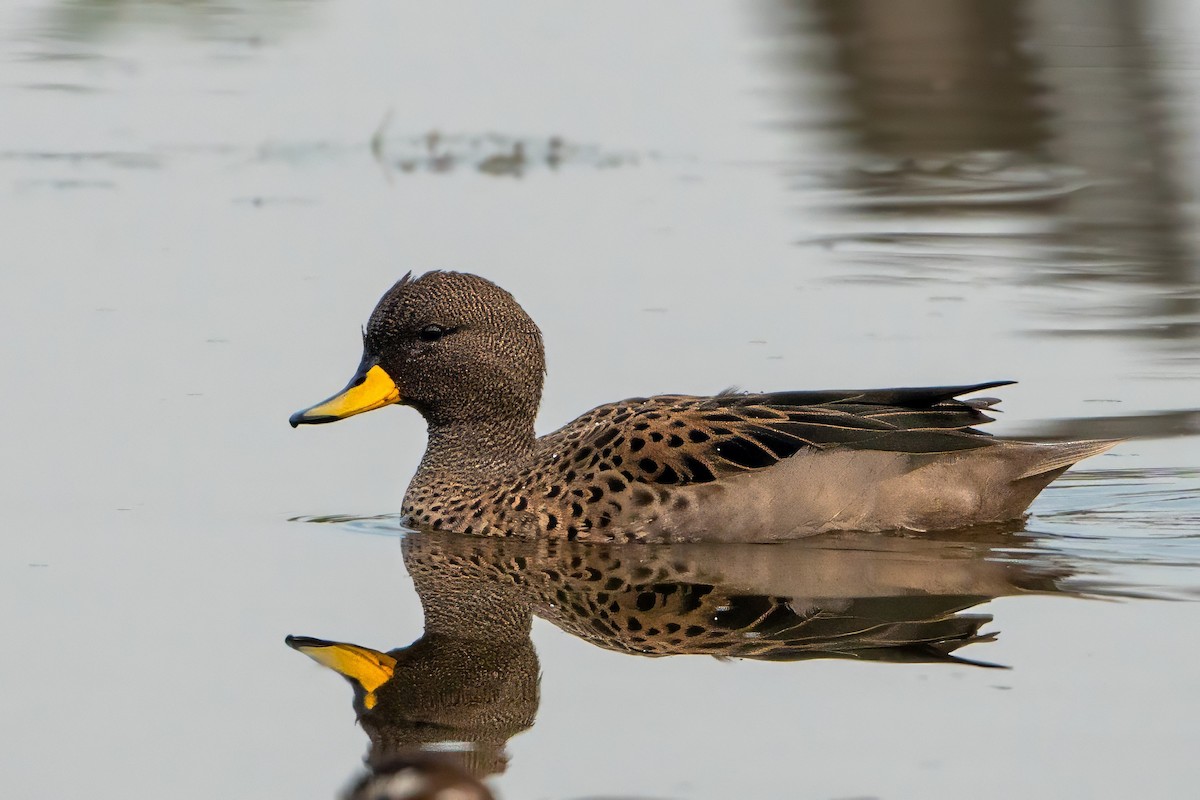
x,y
473,693
464,688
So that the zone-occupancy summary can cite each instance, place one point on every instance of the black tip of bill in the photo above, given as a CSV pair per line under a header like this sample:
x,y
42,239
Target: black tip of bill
x,y
302,418
296,642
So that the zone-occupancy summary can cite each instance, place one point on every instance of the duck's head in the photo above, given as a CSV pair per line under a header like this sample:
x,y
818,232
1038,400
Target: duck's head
x,y
454,346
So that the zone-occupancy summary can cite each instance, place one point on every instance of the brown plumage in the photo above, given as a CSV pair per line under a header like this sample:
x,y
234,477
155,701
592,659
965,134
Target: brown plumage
x,y
733,467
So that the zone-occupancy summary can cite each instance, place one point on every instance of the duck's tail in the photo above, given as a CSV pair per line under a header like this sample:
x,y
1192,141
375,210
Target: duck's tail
x,y
1060,455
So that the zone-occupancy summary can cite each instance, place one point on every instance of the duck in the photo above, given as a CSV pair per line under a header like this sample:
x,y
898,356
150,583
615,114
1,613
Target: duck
x,y
736,466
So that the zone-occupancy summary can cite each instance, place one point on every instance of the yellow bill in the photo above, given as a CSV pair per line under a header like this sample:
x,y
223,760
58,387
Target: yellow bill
x,y
368,668
369,389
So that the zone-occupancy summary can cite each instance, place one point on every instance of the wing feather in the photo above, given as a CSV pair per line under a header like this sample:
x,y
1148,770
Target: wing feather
x,y
678,439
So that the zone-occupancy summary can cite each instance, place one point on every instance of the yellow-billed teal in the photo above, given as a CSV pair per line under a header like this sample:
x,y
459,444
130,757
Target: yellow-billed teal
x,y
732,467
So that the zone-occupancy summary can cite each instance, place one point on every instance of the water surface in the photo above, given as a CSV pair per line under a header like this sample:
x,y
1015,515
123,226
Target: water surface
x,y
202,202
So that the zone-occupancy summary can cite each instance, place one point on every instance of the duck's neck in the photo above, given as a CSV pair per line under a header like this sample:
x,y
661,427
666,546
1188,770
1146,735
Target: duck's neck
x,y
469,453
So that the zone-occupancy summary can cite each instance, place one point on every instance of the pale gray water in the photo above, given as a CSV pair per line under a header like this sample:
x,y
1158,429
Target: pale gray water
x,y
200,203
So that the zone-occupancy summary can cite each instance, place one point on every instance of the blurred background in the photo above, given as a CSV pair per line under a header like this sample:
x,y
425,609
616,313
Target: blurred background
x,y
200,202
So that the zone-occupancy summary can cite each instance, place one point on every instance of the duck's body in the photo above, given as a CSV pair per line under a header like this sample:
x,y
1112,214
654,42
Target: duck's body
x,y
751,468
736,467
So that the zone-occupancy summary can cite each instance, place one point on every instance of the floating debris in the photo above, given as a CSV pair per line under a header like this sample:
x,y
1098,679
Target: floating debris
x,y
491,154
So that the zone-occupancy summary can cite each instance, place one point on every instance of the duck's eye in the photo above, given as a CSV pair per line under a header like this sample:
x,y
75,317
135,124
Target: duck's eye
x,y
431,333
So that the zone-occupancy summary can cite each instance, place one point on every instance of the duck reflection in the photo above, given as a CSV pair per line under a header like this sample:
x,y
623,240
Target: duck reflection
x,y
471,681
